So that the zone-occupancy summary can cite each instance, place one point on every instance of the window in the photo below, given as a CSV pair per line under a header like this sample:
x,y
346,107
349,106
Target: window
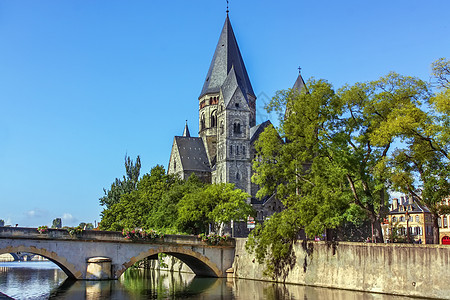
x,y
237,127
237,149
394,219
231,149
445,221
214,119
202,122
237,105
238,176
222,129
417,219
174,165
402,219
243,150
439,222
410,219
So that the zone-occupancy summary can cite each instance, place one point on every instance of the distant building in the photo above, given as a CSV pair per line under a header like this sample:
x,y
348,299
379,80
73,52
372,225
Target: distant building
x,y
406,215
444,225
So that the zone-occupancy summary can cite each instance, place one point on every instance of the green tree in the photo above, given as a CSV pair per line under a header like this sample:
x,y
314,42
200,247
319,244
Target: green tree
x,y
122,186
215,204
57,223
165,212
333,166
135,208
421,166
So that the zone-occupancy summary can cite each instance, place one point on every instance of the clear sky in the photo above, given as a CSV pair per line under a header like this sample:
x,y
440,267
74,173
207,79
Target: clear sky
x,y
82,83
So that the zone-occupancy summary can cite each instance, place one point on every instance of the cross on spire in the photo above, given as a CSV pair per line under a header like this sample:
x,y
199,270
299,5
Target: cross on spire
x,y
227,8
299,70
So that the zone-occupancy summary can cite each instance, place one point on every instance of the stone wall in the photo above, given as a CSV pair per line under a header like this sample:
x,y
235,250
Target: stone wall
x,y
414,270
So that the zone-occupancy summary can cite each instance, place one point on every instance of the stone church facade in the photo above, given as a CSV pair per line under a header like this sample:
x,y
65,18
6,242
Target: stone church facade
x,y
224,150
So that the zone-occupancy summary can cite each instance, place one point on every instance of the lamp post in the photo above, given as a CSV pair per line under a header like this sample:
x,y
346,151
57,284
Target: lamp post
x,y
407,227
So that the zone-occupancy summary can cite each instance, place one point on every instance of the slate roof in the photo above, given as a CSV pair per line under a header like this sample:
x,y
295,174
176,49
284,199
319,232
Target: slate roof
x,y
299,84
255,131
192,153
230,86
415,208
226,55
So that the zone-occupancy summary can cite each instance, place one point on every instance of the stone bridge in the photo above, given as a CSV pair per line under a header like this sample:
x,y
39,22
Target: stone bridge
x,y
106,254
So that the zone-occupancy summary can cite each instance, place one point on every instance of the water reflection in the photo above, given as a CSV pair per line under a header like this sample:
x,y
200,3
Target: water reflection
x,y
29,280
42,280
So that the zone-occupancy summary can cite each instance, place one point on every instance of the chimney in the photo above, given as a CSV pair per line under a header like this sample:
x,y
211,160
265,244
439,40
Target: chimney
x,y
394,203
410,200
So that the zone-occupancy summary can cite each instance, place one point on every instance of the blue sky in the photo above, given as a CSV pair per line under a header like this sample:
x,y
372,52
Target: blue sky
x,y
82,83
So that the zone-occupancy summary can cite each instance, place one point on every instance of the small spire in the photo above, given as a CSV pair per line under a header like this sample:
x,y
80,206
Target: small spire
x,y
227,8
186,131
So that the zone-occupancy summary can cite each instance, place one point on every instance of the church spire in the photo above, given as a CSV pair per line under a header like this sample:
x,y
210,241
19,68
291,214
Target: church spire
x,y
186,131
226,55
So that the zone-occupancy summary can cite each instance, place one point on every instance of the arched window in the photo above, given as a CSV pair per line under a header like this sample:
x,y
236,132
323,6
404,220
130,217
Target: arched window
x,y
214,118
222,128
231,149
174,165
237,127
238,176
202,122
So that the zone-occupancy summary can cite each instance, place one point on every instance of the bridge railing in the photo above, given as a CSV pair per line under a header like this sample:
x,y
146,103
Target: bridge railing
x,y
101,236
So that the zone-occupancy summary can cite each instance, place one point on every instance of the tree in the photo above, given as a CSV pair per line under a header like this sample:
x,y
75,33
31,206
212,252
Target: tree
x,y
136,207
57,223
2,222
215,204
421,167
126,185
332,167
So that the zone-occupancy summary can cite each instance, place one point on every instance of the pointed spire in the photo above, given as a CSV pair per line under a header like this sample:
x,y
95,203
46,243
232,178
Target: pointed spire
x,y
299,84
186,131
299,87
226,55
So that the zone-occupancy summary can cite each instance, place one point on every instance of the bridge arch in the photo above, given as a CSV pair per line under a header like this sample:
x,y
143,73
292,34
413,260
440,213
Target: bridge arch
x,y
199,264
61,262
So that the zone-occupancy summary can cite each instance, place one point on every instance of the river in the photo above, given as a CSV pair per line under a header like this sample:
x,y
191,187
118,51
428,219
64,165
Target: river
x,y
44,280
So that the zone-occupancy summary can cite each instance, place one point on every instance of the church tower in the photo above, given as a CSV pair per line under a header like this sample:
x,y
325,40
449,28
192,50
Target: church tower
x,y
227,112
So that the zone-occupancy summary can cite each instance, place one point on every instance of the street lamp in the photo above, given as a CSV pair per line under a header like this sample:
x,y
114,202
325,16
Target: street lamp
x,y
407,226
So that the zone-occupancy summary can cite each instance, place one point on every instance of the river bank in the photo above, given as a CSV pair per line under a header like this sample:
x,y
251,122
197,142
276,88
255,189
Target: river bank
x,y
397,269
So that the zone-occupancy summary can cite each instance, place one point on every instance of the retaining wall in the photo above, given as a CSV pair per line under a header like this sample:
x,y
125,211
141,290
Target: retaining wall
x,y
414,270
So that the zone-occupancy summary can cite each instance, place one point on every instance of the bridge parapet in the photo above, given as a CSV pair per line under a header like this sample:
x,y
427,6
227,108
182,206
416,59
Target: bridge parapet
x,y
103,236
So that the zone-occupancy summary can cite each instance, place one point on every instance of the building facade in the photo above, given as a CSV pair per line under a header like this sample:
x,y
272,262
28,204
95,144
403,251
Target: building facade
x,y
224,149
408,221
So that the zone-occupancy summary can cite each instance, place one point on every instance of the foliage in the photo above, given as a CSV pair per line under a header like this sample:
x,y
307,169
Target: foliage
x,y
43,229
74,231
215,204
122,186
2,222
328,161
86,226
421,168
57,223
135,209
213,238
142,234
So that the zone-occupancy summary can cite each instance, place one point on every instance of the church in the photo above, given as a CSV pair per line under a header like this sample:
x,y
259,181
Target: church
x,y
224,150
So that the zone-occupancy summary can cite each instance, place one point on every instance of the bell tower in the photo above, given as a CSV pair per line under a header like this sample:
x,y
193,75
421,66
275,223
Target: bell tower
x,y
227,112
